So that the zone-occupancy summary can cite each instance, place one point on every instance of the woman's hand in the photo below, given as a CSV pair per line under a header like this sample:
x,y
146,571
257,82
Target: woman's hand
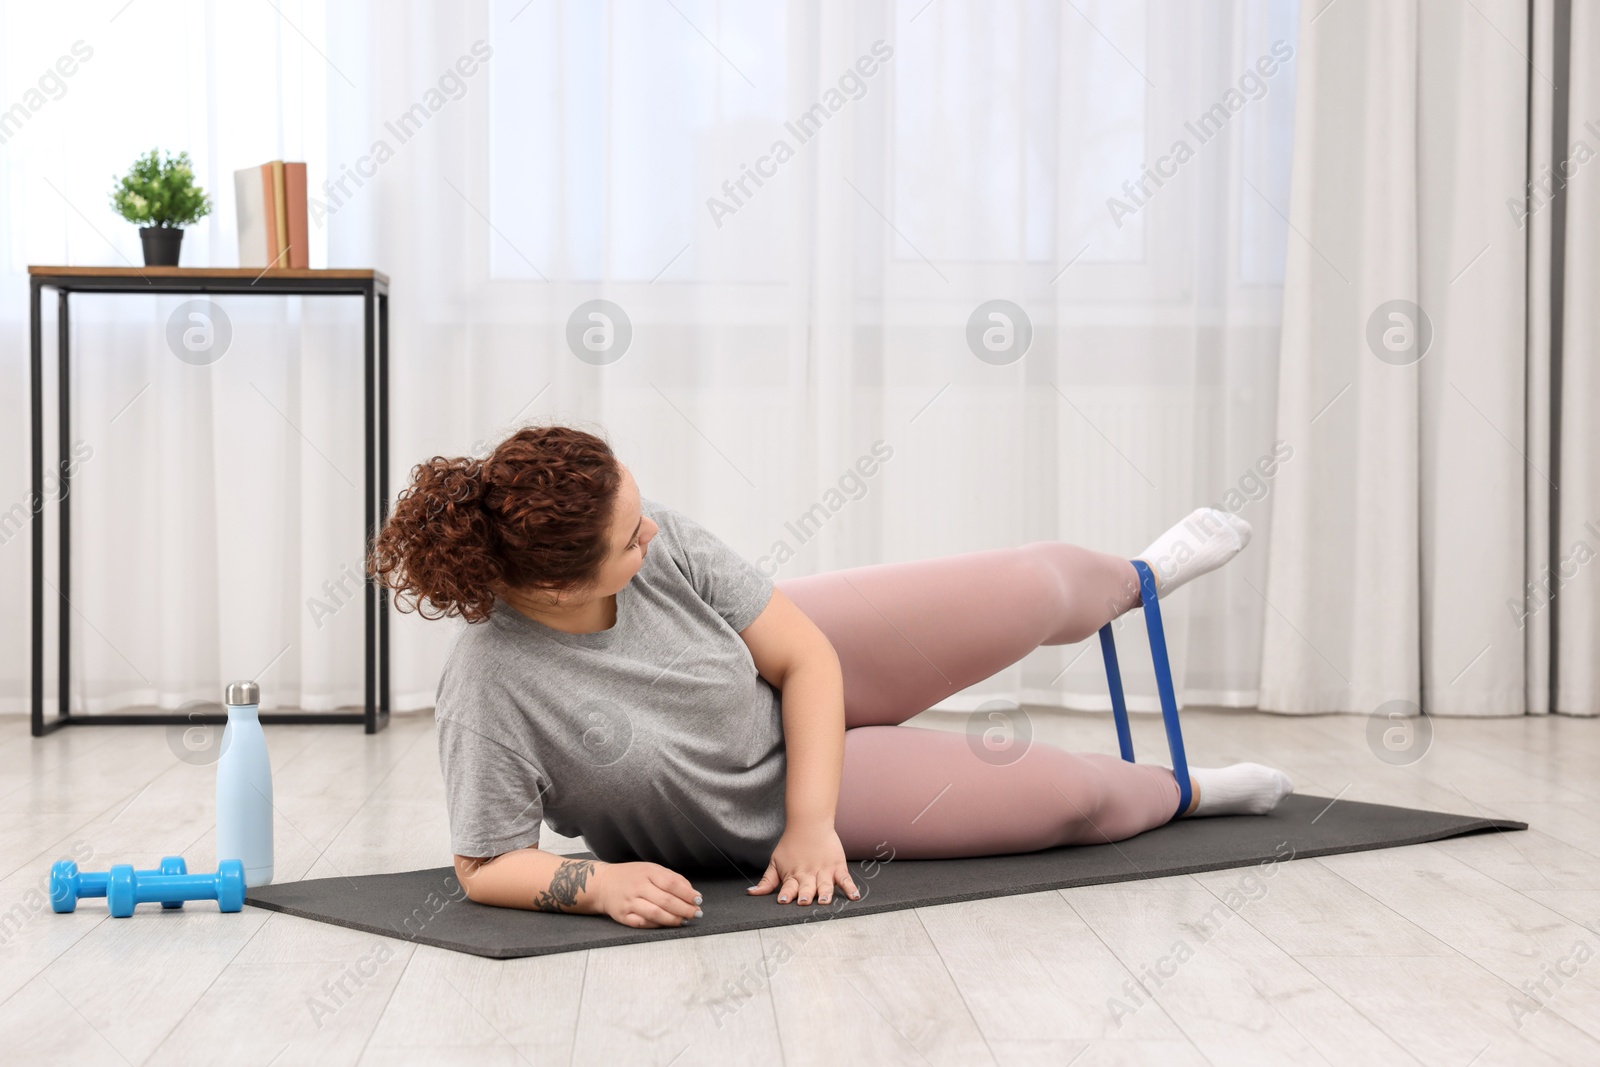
x,y
808,861
645,895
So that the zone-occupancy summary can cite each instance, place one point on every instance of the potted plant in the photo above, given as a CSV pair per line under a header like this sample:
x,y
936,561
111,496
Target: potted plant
x,y
159,193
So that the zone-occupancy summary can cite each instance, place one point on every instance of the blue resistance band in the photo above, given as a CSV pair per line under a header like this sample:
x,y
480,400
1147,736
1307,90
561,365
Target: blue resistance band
x,y
1169,700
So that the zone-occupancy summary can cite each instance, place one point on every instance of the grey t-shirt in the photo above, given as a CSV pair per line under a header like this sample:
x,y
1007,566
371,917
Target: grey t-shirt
x,y
655,739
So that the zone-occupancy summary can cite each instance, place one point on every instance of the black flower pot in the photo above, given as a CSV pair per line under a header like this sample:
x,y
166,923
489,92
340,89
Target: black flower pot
x,y
161,245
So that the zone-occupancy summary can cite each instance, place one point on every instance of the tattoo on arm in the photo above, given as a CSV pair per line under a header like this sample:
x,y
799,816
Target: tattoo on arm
x,y
566,883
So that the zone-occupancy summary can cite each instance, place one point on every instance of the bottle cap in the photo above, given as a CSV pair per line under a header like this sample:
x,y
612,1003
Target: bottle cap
x,y
243,693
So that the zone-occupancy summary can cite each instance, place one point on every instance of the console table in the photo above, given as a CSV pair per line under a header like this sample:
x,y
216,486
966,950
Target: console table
x,y
373,289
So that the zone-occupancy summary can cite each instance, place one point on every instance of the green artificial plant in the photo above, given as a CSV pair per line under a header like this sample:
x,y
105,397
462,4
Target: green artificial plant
x,y
159,190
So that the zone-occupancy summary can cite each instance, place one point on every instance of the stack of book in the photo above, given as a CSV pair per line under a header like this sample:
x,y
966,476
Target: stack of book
x,y
272,215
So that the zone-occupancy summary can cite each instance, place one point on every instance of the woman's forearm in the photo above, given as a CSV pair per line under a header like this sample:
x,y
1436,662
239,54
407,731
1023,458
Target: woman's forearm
x,y
813,739
533,879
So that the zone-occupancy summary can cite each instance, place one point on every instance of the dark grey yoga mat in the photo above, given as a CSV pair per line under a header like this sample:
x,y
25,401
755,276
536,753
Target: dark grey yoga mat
x,y
429,908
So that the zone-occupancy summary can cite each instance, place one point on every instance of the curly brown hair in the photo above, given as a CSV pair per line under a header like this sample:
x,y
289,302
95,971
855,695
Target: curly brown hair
x,y
534,513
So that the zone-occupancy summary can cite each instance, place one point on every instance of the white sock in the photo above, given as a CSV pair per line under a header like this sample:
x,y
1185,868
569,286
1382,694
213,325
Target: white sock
x,y
1242,789
1205,540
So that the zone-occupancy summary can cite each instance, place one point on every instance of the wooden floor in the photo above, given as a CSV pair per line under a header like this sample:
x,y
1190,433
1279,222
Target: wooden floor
x,y
1432,954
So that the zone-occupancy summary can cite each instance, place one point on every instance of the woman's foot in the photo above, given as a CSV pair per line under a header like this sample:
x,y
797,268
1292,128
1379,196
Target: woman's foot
x,y
1241,789
1205,540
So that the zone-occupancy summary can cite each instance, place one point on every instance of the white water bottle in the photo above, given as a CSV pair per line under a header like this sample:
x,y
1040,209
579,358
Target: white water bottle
x,y
244,787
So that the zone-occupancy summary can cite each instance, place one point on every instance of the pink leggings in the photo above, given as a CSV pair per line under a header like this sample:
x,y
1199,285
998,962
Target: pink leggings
x,y
911,634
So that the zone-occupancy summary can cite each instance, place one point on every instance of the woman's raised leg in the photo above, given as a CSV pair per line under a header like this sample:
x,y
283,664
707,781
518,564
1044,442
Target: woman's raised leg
x,y
927,794
910,634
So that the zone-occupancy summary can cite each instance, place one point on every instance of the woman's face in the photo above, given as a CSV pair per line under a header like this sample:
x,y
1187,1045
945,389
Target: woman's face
x,y
629,537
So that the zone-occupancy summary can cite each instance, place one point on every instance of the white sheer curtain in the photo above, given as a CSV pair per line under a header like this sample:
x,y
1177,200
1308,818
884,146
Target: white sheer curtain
x,y
940,156
1440,192
1568,647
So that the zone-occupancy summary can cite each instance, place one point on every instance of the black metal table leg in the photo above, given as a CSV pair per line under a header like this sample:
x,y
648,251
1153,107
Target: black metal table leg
x,y
370,484
383,500
36,501
64,506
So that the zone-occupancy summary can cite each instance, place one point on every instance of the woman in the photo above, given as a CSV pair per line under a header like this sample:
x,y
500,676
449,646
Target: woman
x,y
629,678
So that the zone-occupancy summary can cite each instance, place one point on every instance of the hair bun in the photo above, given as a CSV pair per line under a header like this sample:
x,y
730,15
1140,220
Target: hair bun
x,y
535,512
449,483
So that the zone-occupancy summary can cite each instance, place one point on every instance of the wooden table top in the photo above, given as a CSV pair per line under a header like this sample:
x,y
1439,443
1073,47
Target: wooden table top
x,y
205,273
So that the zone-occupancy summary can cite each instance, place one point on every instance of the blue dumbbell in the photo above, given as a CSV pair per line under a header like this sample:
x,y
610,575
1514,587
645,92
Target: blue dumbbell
x,y
68,885
127,888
